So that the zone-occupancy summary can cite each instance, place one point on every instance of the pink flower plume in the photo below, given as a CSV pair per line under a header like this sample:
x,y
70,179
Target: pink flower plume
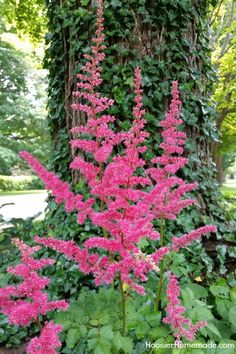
x,y
32,300
180,325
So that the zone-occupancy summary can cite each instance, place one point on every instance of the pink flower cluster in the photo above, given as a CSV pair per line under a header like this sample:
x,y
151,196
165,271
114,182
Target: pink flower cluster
x,y
126,212
180,325
48,340
23,303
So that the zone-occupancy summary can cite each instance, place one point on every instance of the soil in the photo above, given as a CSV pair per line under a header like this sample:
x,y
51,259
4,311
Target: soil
x,y
20,350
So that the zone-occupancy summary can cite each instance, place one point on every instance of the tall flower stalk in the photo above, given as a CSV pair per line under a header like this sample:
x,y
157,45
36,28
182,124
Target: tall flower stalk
x,y
120,202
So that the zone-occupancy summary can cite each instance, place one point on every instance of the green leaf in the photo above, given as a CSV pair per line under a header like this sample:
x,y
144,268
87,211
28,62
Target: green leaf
x,y
232,315
72,336
130,81
92,332
213,329
202,312
99,349
199,291
127,345
116,3
188,297
220,290
106,332
104,319
84,2
103,344
92,343
233,294
124,343
83,330
142,329
118,340
224,343
223,306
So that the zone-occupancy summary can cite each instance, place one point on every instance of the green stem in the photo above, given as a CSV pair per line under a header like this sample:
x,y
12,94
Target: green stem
x,y
159,288
39,324
123,306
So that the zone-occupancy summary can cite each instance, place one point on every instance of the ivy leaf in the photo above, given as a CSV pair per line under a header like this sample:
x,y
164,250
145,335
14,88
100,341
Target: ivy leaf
x,y
84,2
116,3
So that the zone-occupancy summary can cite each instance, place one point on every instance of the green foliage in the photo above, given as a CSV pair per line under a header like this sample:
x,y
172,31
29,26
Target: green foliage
x,y
27,17
224,56
91,325
8,183
22,105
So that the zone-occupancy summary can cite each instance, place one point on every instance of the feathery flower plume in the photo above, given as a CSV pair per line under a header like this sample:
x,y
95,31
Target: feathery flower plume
x,y
167,194
181,326
185,240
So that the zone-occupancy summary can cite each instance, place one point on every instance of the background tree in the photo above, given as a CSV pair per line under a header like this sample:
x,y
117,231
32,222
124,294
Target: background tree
x,y
22,101
223,40
26,17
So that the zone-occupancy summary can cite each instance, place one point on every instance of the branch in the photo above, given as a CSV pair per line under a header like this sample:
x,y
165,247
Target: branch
x,y
20,137
3,205
212,20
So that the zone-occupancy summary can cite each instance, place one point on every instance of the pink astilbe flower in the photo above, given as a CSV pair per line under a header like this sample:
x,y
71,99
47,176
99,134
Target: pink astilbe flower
x,y
167,194
24,302
181,326
185,240
93,105
48,340
115,182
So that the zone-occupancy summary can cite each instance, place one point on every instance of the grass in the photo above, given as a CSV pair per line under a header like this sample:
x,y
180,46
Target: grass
x,y
3,194
228,192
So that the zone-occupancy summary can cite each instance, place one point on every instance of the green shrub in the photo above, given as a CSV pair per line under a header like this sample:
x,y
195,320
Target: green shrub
x,y
11,183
